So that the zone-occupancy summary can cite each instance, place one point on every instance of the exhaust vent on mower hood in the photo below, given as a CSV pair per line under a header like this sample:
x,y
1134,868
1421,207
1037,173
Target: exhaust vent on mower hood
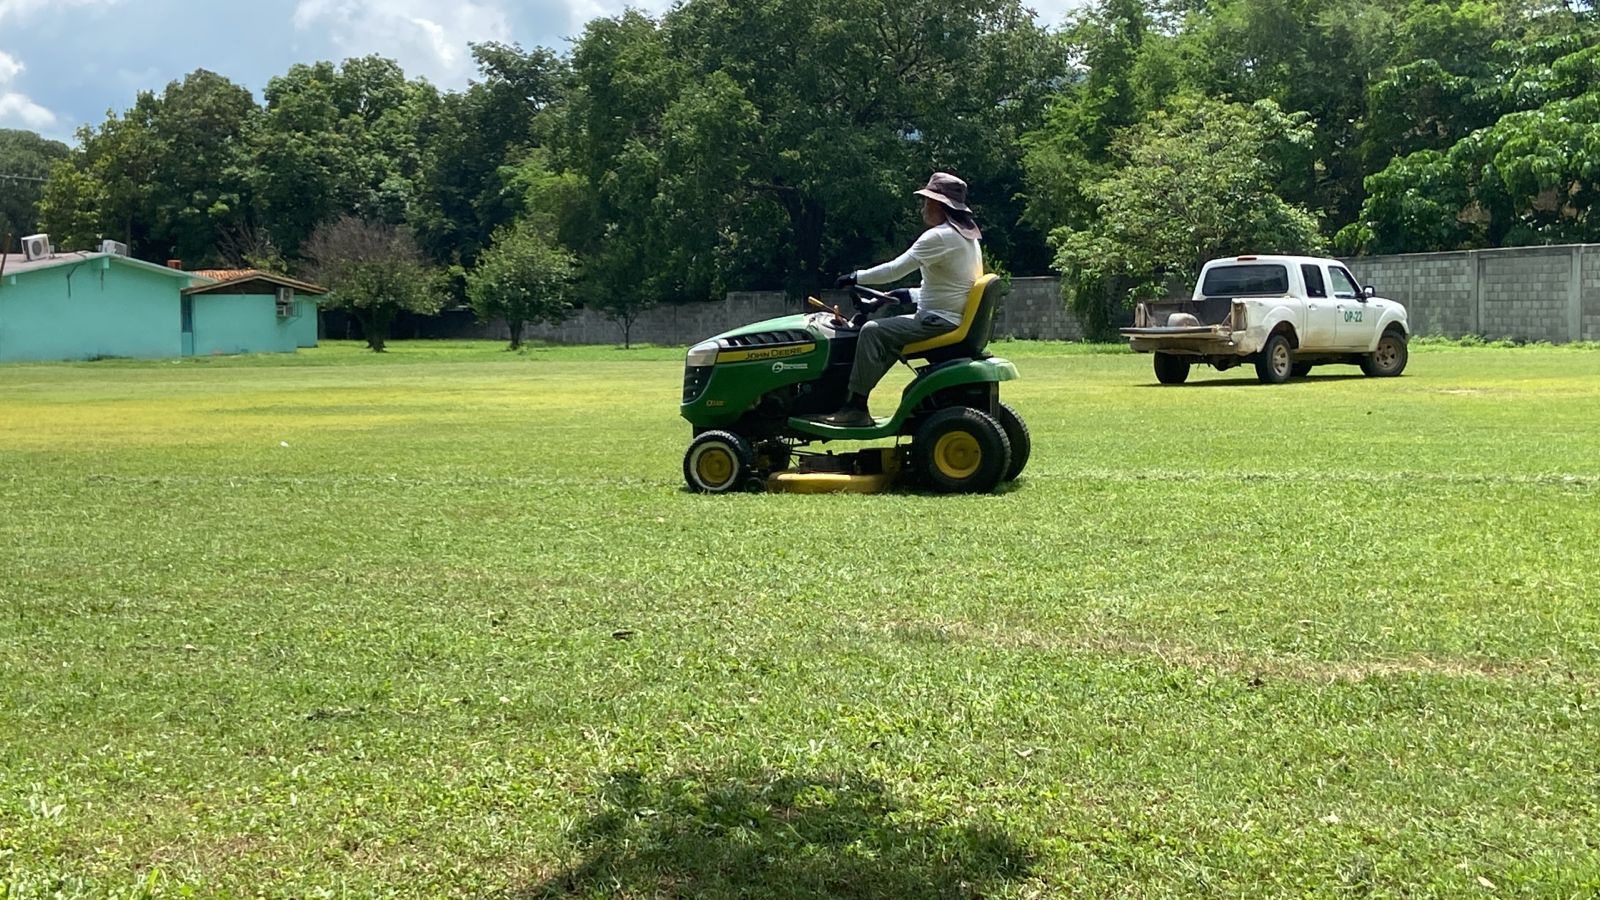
x,y
767,339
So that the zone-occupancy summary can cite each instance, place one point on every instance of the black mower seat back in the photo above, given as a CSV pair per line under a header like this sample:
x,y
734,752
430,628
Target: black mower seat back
x,y
972,335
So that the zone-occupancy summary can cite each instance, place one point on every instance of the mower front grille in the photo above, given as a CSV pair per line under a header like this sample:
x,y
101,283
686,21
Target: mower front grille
x,y
767,339
695,379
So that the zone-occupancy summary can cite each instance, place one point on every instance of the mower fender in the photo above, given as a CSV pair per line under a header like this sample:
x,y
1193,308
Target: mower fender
x,y
949,375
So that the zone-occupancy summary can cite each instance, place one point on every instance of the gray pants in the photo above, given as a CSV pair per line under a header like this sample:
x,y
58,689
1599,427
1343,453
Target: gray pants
x,y
882,340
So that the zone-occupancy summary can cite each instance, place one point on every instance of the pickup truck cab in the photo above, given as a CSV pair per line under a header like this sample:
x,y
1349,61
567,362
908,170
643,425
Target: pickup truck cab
x,y
1285,314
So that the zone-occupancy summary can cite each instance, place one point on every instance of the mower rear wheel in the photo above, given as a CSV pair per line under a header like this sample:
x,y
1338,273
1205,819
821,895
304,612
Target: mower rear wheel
x,y
1021,441
718,462
961,450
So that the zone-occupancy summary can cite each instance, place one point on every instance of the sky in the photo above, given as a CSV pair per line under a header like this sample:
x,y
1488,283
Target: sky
x,y
65,63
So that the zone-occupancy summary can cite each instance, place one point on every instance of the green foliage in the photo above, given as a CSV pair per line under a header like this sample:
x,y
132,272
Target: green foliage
x,y
69,206
1192,184
711,166
525,276
374,270
25,161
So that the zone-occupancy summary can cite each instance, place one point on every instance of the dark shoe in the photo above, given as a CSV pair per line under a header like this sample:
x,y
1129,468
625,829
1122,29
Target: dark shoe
x,y
849,418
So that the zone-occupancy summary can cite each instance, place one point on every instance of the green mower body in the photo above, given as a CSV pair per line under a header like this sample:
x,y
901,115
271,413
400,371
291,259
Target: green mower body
x,y
749,395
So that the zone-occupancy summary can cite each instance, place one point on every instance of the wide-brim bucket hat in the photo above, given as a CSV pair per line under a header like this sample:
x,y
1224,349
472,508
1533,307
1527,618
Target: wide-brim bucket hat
x,y
951,193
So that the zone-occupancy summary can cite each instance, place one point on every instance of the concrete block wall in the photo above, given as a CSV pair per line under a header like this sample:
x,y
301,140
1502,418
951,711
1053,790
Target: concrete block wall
x,y
1527,293
1438,289
1590,286
1035,311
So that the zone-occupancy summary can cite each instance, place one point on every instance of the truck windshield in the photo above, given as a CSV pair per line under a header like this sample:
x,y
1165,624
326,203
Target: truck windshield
x,y
1246,281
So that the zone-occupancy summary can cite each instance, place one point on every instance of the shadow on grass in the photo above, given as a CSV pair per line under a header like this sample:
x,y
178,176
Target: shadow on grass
x,y
1252,381
776,836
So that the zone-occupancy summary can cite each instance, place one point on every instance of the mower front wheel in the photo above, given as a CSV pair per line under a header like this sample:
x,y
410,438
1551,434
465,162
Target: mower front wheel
x,y
718,462
961,450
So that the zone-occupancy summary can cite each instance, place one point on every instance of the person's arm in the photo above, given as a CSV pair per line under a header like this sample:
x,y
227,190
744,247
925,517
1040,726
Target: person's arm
x,y
927,248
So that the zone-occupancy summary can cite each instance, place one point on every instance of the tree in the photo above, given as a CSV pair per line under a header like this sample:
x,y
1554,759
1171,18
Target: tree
x,y
525,276
69,207
340,141
25,162
1194,183
374,270
739,142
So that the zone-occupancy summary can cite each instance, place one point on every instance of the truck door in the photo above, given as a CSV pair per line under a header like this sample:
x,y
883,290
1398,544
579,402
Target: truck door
x,y
1321,326
1354,320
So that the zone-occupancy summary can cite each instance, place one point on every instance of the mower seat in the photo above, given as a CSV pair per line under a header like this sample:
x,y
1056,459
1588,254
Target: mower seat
x,y
972,335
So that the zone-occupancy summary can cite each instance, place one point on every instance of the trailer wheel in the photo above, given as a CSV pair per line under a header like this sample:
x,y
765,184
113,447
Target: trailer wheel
x,y
717,462
1017,435
1171,368
1276,362
961,450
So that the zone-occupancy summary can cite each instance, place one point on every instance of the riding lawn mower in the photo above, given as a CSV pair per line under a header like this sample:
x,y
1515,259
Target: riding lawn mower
x,y
750,394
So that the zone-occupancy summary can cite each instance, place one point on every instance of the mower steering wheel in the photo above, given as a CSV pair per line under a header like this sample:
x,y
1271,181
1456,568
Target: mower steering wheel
x,y
868,300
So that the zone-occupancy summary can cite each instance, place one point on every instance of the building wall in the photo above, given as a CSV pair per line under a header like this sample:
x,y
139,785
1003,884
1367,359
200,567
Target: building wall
x,y
89,311
226,324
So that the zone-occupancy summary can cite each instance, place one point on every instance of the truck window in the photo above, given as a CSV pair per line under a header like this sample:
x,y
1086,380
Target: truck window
x,y
1246,281
1314,284
1344,287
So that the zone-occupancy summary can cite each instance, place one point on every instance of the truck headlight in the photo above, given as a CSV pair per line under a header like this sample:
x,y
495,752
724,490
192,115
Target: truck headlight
x,y
703,354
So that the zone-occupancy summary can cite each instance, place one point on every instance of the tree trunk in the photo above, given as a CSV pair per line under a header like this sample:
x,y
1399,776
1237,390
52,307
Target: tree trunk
x,y
807,219
516,333
375,328
627,329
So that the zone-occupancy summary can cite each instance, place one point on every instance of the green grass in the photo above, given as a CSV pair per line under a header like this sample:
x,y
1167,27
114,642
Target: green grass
x,y
444,622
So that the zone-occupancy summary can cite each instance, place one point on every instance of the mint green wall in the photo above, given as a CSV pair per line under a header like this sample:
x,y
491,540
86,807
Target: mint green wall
x,y
225,324
112,310
249,323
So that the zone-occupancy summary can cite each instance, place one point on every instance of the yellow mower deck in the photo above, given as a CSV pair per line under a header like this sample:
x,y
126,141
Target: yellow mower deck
x,y
796,482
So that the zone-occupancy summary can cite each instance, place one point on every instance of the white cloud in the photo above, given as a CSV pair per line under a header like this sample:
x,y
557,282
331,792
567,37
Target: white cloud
x,y
427,37
15,107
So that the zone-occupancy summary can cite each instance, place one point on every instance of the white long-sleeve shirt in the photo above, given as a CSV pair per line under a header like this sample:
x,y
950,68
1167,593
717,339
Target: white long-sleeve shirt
x,y
950,263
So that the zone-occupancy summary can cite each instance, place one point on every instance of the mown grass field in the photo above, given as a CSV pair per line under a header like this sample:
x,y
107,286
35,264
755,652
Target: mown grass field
x,y
444,622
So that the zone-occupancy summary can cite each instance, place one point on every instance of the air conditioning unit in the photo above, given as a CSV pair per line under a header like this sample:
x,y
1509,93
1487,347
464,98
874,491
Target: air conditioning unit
x,y
115,248
36,246
285,302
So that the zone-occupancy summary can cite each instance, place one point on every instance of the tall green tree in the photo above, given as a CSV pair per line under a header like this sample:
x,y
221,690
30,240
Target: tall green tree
x,y
524,277
340,141
374,271
465,190
740,142
26,160
1196,182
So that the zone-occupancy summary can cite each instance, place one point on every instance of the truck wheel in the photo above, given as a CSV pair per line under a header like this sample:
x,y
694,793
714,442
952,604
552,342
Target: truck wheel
x,y
1017,435
1389,359
1171,368
1276,362
1301,370
718,462
961,450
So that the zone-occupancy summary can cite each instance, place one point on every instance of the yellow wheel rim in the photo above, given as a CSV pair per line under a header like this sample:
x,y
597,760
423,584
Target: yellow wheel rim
x,y
957,455
714,467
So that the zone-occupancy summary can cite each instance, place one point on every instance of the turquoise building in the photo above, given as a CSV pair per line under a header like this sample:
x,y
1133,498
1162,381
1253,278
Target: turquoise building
x,y
71,306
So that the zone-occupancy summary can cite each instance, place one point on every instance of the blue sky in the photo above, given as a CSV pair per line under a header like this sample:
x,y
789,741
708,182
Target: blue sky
x,y
64,63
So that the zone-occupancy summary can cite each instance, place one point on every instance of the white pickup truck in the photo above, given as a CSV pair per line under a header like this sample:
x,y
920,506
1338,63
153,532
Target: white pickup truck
x,y
1283,313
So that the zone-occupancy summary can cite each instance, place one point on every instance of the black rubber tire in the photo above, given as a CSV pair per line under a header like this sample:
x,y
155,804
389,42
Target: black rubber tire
x,y
1301,370
717,462
1389,360
961,450
1171,368
1275,364
1017,435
